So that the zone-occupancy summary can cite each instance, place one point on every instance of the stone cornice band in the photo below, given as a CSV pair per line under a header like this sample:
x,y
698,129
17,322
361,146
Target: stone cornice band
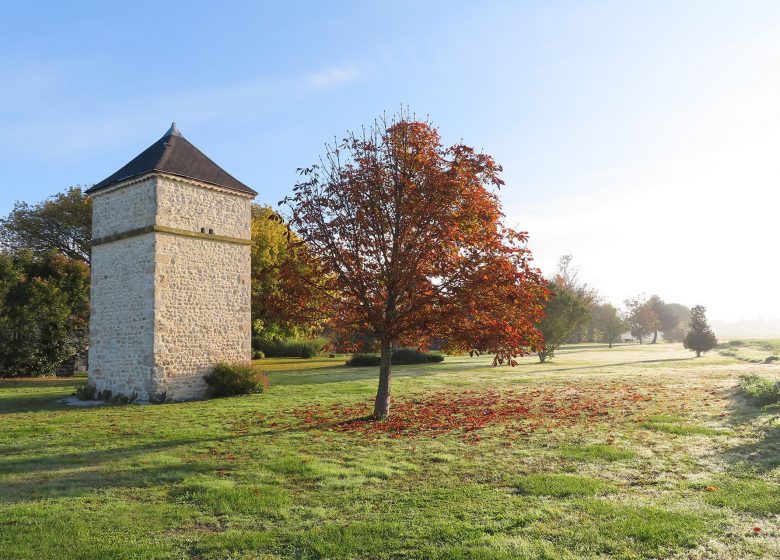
x,y
171,231
168,177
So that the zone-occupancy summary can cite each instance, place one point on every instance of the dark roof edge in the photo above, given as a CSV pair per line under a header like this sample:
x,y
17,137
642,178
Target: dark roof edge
x,y
99,187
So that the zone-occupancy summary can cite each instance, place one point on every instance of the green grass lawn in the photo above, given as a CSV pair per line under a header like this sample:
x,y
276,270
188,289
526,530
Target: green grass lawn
x,y
630,452
752,350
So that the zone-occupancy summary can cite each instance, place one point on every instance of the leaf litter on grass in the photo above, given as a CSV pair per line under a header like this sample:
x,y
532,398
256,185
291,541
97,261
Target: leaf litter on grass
x,y
467,412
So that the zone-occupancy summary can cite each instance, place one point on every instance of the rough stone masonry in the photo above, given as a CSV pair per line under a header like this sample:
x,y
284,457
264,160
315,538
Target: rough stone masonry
x,y
170,293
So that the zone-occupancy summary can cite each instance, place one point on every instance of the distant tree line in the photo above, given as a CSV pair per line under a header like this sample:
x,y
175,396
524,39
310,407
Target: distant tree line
x,y
44,284
576,314
61,223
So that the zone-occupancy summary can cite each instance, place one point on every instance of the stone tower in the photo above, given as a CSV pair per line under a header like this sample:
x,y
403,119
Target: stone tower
x,y
170,272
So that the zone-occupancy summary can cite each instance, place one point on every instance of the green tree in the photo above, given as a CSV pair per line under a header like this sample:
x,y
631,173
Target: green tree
x,y
44,312
642,319
564,313
62,223
700,337
607,323
682,316
669,317
568,275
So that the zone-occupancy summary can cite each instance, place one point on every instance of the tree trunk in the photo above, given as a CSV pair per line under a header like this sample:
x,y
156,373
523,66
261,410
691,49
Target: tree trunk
x,y
698,354
542,357
610,344
382,402
655,337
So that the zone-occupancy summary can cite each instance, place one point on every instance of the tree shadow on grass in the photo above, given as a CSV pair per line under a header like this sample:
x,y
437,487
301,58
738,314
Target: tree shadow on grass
x,y
608,365
372,373
68,483
359,374
56,461
762,454
14,399
594,346
81,473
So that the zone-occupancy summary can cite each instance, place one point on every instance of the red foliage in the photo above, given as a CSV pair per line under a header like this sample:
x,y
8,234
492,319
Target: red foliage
x,y
518,413
411,247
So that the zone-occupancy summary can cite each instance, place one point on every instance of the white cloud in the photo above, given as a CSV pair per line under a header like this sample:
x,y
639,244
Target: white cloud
x,y
334,76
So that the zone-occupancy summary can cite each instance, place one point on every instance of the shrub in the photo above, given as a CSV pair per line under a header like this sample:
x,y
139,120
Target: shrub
x,y
771,359
760,390
257,343
289,348
159,398
125,399
409,356
86,392
227,380
89,393
402,356
363,360
767,345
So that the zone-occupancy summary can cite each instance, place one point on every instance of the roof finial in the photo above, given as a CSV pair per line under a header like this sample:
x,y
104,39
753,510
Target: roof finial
x,y
173,131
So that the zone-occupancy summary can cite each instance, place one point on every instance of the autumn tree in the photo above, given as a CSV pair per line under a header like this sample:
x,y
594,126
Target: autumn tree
x,y
412,247
700,337
641,318
272,256
608,323
564,313
62,223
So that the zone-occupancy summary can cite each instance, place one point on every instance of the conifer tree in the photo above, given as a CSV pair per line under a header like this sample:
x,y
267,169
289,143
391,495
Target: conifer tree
x,y
700,337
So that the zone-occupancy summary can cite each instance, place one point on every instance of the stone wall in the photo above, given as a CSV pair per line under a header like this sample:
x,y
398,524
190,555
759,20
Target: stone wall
x,y
202,311
181,204
167,307
202,307
123,209
122,315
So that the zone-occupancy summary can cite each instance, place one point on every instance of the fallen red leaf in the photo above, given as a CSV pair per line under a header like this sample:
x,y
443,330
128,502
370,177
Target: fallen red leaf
x,y
468,411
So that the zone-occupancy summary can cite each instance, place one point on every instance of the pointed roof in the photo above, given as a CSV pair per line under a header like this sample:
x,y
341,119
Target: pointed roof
x,y
173,154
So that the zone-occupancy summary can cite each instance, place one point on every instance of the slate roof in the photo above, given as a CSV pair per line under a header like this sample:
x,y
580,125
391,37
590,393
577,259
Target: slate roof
x,y
173,154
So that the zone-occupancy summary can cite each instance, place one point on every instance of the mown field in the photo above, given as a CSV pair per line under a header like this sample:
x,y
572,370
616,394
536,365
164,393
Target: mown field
x,y
630,452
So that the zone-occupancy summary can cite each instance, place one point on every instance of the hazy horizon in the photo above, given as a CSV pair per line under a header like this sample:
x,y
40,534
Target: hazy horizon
x,y
642,139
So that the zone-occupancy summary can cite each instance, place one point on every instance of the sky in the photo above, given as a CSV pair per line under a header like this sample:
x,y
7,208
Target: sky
x,y
643,138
